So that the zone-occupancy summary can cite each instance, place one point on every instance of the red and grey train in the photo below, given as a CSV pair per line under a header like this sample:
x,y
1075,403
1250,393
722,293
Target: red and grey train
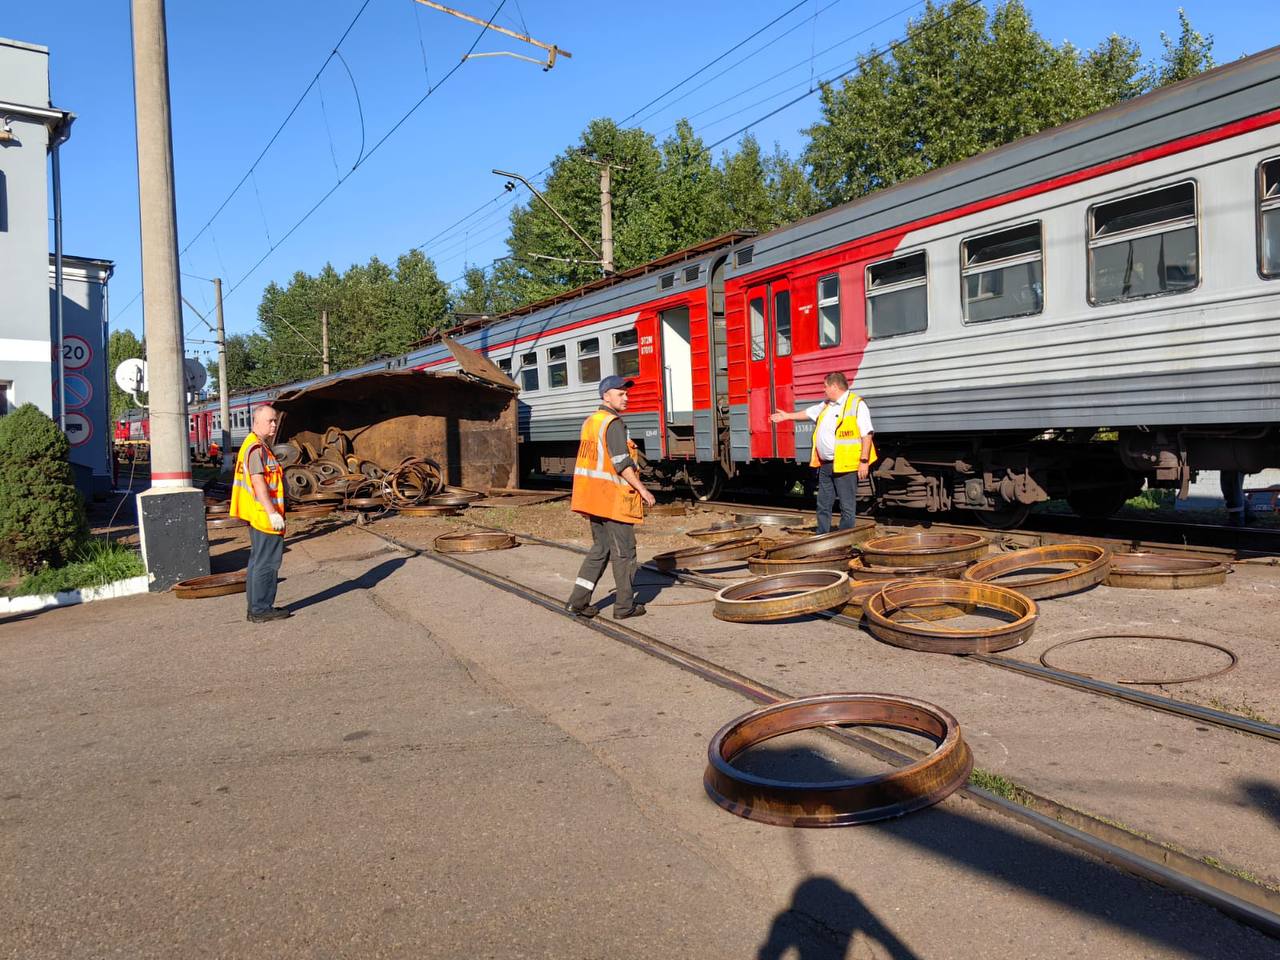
x,y
1069,316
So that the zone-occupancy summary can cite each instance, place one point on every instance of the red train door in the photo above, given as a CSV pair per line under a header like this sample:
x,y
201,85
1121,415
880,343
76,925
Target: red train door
x,y
769,368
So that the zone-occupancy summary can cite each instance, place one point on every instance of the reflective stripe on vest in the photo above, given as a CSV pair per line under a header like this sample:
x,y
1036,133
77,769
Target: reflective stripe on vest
x,y
598,488
244,502
848,452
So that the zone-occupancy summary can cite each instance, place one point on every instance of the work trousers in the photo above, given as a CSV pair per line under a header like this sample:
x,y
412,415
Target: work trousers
x,y
834,486
266,550
610,540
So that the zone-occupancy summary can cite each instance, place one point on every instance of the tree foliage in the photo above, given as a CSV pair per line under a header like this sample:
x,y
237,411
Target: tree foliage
x,y
122,345
41,514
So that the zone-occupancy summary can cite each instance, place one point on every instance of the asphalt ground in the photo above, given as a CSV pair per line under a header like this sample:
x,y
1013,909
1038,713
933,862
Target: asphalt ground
x,y
419,765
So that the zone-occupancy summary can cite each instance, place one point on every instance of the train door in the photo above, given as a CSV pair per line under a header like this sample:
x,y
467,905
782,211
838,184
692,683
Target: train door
x,y
677,381
715,443
769,368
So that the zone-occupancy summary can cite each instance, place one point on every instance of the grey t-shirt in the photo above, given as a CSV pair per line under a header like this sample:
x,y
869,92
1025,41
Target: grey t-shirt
x,y
615,441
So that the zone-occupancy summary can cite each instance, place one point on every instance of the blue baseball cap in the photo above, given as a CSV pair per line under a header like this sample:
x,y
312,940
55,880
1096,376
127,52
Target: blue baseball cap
x,y
615,383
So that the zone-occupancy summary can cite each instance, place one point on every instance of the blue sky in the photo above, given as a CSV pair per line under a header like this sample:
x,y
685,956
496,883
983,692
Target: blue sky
x,y
237,67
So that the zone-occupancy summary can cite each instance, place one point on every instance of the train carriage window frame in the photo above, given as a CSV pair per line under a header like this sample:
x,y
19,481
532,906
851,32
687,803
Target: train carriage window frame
x,y
504,364
626,347
974,265
1267,185
756,327
825,304
782,323
529,365
589,360
1100,238
888,289
558,367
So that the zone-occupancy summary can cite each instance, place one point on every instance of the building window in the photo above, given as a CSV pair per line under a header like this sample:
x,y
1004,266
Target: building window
x,y
756,309
1002,274
505,365
557,368
1269,218
829,311
626,353
1144,246
898,296
589,360
782,322
529,372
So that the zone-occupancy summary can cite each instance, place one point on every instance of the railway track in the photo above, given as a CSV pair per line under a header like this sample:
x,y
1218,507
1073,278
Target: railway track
x,y
1238,898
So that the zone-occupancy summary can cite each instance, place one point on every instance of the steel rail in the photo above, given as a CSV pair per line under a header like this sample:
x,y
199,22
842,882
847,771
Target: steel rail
x,y
1237,898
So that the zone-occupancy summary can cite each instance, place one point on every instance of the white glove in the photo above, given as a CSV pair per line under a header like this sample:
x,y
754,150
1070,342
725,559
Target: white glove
x,y
277,520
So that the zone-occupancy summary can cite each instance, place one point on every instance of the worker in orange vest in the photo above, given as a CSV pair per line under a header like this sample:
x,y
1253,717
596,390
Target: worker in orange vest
x,y
607,490
843,448
257,497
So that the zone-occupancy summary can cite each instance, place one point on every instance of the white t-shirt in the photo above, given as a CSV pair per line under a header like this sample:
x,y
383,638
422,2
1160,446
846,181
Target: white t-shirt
x,y
825,435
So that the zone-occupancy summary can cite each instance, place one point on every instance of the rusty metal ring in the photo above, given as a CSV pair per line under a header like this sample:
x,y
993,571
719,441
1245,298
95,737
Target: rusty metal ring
x,y
764,566
1044,657
668,510
859,569
766,519
217,509
920,548
217,585
719,532
430,511
782,596
364,503
287,453
712,555
318,497
313,511
824,542
864,590
841,802
219,523
968,596
1090,565
460,493
299,480
474,542
1155,571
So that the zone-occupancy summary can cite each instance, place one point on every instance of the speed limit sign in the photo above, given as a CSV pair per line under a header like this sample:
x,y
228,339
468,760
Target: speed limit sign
x,y
76,352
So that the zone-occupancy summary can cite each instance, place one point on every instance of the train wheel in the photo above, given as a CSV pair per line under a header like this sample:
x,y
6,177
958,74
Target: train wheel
x,y
1098,503
706,482
1007,517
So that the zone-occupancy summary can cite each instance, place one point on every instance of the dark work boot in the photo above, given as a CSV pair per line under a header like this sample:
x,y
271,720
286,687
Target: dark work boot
x,y
586,612
266,616
637,611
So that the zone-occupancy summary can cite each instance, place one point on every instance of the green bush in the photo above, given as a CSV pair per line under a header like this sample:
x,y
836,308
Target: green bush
x,y
98,562
41,515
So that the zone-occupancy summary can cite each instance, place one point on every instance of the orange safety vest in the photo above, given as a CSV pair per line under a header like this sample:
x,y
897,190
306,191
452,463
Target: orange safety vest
x,y
848,438
244,504
598,488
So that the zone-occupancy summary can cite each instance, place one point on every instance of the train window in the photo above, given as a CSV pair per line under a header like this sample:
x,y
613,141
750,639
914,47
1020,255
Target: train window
x,y
626,353
898,296
505,365
1269,218
557,367
756,309
782,322
529,371
1144,246
829,311
589,360
1002,274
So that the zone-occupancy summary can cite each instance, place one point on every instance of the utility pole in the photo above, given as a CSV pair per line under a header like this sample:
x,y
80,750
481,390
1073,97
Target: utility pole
x,y
606,218
175,543
324,342
224,397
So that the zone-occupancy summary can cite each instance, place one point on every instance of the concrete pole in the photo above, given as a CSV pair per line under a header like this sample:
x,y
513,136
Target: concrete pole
x,y
170,514
324,342
57,280
606,218
224,397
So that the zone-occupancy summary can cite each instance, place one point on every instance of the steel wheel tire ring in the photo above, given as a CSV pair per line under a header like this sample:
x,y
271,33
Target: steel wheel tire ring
x,y
312,511
217,585
1155,571
1044,657
924,548
836,560
861,531
318,497
217,509
668,510
364,503
766,519
460,494
932,593
859,569
473,542
756,601
1092,565
719,532
864,590
430,511
221,523
712,555
842,802
288,453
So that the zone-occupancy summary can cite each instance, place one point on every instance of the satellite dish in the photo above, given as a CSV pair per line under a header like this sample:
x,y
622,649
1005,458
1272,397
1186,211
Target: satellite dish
x,y
131,377
195,373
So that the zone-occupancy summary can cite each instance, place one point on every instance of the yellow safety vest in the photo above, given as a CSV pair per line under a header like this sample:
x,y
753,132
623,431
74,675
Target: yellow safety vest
x,y
244,504
848,438
598,488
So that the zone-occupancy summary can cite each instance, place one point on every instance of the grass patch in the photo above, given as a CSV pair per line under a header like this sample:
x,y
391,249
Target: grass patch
x,y
99,562
1242,709
1153,500
1000,786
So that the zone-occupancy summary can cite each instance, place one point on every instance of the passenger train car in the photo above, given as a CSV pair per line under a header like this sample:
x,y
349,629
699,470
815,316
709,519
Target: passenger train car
x,y
1071,315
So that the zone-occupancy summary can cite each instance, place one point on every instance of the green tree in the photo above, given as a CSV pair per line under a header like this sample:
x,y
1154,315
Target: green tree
x,y
241,363
122,345
41,514
1190,54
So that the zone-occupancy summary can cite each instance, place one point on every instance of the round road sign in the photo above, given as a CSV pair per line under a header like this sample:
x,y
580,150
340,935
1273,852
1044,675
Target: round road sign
x,y
76,352
79,429
78,391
